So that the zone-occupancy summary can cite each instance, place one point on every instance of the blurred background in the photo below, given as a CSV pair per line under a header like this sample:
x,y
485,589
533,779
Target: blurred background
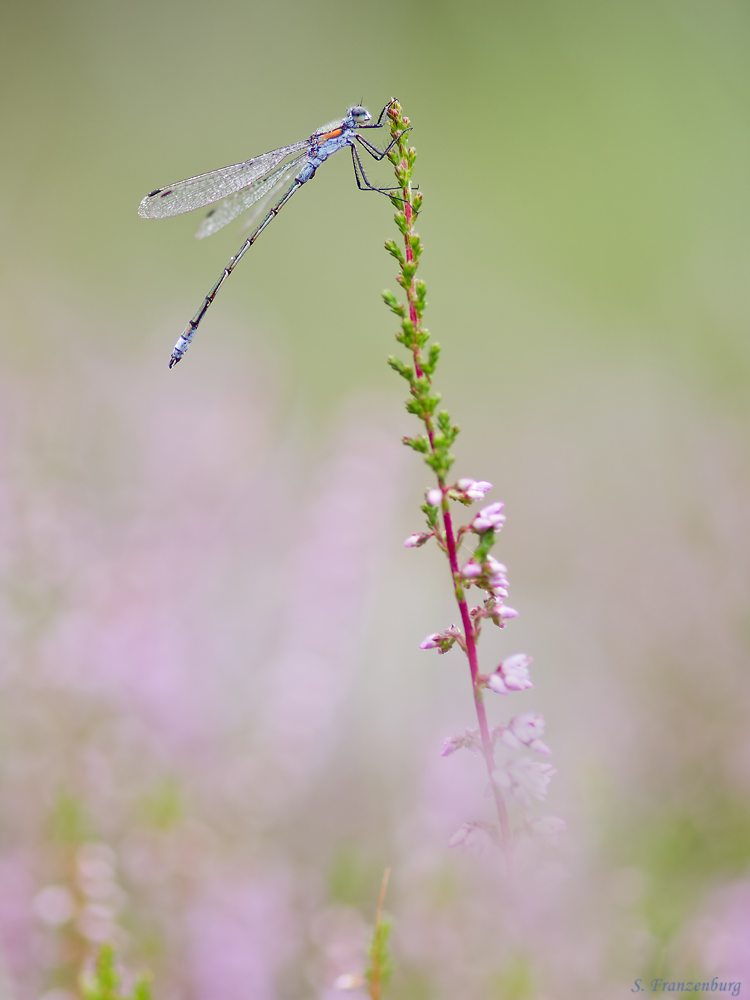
x,y
216,726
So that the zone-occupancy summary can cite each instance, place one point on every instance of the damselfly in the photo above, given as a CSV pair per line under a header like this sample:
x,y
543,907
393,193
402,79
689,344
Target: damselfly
x,y
258,182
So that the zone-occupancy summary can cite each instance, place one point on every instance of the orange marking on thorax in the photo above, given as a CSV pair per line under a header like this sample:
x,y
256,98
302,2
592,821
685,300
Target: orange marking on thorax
x,y
329,135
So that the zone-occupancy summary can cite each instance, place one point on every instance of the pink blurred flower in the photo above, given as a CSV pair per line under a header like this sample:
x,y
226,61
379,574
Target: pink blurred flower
x,y
474,838
512,674
526,779
469,740
241,931
526,730
548,827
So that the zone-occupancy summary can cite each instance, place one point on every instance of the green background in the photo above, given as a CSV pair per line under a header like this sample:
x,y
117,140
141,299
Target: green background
x,y
585,169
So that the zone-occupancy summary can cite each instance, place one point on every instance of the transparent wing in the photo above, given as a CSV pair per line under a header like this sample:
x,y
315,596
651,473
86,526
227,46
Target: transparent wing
x,y
197,192
259,191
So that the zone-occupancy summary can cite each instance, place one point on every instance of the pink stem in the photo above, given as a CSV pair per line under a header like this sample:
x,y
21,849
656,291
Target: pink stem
x,y
468,626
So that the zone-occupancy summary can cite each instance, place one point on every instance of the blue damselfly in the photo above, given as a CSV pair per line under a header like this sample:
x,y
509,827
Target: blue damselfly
x,y
257,182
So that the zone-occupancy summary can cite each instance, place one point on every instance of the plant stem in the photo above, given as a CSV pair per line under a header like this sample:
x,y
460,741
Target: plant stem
x,y
472,656
403,160
376,972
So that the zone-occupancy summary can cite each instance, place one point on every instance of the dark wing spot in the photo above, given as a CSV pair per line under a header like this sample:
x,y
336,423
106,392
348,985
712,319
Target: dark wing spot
x,y
152,193
209,214
165,193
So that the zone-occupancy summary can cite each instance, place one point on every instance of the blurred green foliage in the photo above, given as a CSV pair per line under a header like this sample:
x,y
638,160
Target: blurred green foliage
x,y
104,983
69,823
514,981
684,850
163,808
353,877
585,163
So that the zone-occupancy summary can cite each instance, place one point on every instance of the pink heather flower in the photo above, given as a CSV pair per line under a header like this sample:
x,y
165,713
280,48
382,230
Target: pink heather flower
x,y
507,737
468,740
414,541
548,827
477,491
349,981
527,779
54,905
496,610
512,674
241,931
526,730
489,517
434,497
474,838
527,727
471,570
430,641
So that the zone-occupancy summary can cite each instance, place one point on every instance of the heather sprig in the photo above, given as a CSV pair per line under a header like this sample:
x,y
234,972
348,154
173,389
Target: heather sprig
x,y
380,968
104,982
523,778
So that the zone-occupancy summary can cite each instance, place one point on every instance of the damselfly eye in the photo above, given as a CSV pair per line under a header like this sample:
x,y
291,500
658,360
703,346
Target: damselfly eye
x,y
359,114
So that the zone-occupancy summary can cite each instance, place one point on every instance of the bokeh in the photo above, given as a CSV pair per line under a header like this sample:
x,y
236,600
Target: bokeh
x,y
216,726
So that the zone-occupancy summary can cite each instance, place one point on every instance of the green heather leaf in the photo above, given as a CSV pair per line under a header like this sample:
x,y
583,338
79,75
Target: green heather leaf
x,y
420,444
395,251
405,371
430,362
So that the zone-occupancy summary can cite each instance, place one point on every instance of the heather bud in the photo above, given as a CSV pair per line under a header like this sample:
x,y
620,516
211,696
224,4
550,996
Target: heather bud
x,y
477,491
434,497
472,489
430,641
415,541
490,517
443,640
496,566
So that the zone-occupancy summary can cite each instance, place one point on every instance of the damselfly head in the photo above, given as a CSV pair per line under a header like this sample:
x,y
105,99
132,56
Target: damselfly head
x,y
359,114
